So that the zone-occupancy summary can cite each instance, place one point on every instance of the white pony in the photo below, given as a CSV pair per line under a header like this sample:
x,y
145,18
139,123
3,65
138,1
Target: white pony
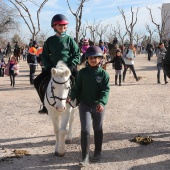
x,y
60,112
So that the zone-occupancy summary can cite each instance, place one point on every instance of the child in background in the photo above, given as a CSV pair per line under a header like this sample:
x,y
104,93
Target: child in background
x,y
13,70
91,88
118,61
84,49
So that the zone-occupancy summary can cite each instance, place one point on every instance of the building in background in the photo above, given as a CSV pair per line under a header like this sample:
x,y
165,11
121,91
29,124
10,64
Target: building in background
x,y
165,13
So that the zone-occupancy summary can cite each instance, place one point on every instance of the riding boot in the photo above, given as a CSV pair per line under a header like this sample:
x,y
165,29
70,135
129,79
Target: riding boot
x,y
165,79
158,78
120,79
85,145
40,84
124,74
98,139
115,79
43,110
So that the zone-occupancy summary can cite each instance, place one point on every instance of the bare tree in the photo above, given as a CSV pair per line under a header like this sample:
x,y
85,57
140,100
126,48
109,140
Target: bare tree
x,y
138,36
93,29
26,15
78,16
83,31
42,36
101,30
7,18
121,36
114,30
151,32
130,27
111,34
161,29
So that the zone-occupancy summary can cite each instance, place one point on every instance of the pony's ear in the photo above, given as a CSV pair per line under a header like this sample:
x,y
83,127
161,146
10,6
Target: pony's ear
x,y
67,72
53,72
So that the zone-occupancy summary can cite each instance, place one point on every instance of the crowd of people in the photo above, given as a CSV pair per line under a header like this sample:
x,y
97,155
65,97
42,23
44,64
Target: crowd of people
x,y
93,56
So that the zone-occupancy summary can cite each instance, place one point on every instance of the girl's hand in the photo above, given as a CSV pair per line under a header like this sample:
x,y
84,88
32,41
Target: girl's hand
x,y
99,108
68,100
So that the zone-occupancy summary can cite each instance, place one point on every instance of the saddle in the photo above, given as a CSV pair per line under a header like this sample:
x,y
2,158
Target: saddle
x,y
43,87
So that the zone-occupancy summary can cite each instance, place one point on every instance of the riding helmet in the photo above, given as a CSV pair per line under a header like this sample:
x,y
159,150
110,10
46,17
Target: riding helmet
x,y
94,51
59,19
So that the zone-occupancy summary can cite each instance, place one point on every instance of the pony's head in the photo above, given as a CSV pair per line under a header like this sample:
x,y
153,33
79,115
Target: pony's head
x,y
60,85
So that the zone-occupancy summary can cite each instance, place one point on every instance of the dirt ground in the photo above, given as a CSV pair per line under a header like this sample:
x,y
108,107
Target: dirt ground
x,y
135,108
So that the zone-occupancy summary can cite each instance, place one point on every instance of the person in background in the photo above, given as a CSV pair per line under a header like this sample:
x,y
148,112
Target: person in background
x,y
103,48
129,56
149,49
11,69
166,61
84,48
39,57
161,52
115,41
2,64
17,51
24,54
8,50
30,43
57,47
32,60
91,88
118,60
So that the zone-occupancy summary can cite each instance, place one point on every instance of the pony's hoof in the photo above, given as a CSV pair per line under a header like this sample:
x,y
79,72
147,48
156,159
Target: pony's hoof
x,y
56,153
68,141
59,154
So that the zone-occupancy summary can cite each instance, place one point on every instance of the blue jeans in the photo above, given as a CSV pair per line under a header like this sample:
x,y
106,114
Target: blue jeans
x,y
159,67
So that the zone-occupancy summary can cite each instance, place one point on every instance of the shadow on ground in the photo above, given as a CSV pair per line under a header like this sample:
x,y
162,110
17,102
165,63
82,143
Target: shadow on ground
x,y
130,152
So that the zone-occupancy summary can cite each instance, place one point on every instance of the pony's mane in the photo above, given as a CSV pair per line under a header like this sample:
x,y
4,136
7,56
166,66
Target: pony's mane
x,y
61,70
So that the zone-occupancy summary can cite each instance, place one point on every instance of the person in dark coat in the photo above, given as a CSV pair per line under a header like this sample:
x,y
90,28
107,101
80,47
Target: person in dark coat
x,y
8,50
91,87
118,61
149,49
166,61
17,51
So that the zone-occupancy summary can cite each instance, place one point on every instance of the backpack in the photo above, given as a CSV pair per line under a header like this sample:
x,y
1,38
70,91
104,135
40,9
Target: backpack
x,y
31,58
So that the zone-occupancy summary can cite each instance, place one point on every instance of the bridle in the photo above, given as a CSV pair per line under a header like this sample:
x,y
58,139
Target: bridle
x,y
52,92
56,97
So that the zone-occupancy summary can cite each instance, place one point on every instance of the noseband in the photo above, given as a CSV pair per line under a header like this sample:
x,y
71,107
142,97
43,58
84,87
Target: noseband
x,y
52,92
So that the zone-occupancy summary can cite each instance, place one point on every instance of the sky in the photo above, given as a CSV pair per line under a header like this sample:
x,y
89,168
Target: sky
x,y
105,11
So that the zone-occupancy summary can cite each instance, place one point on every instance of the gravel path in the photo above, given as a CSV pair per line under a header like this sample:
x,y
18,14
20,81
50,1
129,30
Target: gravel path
x,y
136,108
